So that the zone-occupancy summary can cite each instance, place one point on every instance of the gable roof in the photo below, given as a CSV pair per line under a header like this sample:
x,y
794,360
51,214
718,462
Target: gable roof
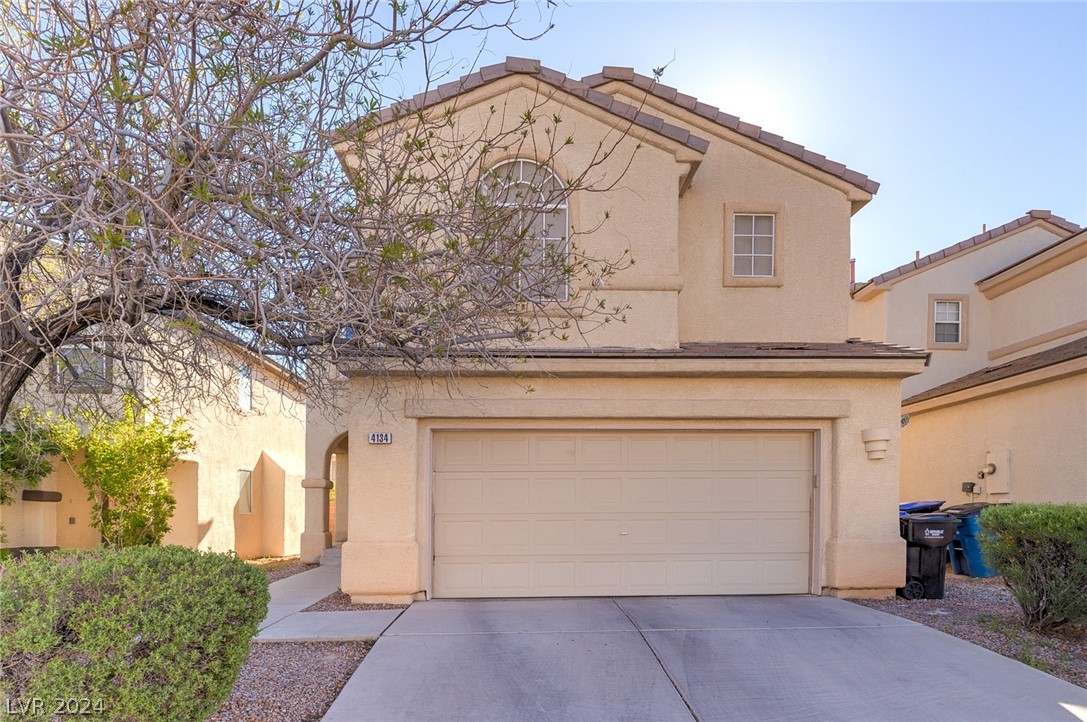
x,y
1074,238
990,235
527,66
1050,357
709,112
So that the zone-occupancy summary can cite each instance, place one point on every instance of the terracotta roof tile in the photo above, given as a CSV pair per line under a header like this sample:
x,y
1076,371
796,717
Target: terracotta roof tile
x,y
987,236
749,129
668,93
614,72
709,112
554,77
797,151
491,72
1050,357
685,101
580,88
522,65
772,140
729,121
834,168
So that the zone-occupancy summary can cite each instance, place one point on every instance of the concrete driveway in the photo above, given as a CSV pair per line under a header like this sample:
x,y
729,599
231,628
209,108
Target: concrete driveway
x,y
678,658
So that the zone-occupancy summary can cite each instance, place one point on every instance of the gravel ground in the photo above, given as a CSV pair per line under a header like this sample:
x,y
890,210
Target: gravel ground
x,y
281,567
340,602
982,611
290,681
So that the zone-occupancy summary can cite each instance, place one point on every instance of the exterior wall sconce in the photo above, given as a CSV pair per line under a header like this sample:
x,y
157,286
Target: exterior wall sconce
x,y
876,442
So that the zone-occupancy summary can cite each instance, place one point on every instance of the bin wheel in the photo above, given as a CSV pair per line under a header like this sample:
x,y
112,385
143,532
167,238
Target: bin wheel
x,y
913,590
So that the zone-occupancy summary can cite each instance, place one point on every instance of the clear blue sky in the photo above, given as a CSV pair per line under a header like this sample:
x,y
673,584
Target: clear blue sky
x,y
965,113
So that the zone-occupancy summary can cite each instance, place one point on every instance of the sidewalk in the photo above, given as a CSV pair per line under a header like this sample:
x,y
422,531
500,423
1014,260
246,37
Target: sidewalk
x,y
286,622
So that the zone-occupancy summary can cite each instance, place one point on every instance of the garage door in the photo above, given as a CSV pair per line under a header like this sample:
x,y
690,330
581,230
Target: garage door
x,y
585,513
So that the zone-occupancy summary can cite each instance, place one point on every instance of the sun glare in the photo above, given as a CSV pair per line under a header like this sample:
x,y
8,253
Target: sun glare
x,y
767,104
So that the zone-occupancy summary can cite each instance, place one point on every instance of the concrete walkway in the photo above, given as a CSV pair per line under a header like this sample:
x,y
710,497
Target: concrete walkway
x,y
683,658
286,622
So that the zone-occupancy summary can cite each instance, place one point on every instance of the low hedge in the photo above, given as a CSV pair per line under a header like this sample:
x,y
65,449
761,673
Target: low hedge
x,y
1041,549
142,633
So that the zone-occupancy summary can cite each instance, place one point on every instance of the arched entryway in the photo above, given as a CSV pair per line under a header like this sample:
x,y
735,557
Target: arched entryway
x,y
323,530
337,473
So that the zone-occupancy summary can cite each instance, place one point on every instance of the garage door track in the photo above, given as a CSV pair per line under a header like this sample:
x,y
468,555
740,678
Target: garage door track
x,y
683,658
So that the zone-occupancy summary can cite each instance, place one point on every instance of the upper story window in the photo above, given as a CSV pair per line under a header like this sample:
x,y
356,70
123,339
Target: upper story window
x,y
541,219
245,387
947,322
948,328
82,368
753,245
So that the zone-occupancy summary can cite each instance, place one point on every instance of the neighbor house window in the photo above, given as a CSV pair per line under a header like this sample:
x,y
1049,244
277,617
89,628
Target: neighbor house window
x,y
245,491
82,368
948,328
541,219
947,322
753,245
245,387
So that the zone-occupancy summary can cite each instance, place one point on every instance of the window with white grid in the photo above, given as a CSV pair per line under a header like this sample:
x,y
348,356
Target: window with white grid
x,y
947,326
542,219
753,245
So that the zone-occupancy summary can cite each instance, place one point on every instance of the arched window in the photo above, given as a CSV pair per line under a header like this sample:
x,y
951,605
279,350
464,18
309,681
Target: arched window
x,y
542,219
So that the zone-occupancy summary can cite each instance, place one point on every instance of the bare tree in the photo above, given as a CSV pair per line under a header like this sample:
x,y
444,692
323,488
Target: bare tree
x,y
180,175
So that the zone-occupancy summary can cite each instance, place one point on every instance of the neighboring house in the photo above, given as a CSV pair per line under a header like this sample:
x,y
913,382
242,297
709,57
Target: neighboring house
x,y
727,439
1004,315
934,303
238,490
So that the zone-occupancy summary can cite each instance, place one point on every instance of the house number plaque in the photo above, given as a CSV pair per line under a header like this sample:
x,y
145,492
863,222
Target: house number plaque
x,y
381,437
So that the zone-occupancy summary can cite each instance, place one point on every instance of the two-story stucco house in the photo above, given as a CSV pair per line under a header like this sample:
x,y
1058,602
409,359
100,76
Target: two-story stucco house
x,y
238,490
1004,316
729,438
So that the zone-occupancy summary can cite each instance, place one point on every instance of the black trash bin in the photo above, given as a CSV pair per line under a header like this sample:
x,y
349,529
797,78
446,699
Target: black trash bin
x,y
927,537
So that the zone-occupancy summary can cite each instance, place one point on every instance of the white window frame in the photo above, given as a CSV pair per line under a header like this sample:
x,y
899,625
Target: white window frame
x,y
944,325
543,206
245,387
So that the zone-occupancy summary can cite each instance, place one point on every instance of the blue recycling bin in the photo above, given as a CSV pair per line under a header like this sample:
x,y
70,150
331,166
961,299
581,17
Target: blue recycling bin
x,y
918,507
965,549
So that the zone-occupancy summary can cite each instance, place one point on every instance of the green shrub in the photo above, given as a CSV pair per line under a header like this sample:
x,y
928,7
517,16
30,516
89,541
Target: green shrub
x,y
1041,549
148,633
127,459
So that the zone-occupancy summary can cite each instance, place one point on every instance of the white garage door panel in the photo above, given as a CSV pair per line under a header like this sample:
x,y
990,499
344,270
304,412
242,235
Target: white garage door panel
x,y
590,513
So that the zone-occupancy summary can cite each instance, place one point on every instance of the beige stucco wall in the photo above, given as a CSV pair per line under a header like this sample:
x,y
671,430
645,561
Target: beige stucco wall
x,y
185,486
269,439
1042,427
906,305
813,212
636,217
675,289
388,551
868,318
1043,313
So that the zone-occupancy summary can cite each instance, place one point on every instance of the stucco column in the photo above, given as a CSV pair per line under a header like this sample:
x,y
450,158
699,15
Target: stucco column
x,y
315,537
343,486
